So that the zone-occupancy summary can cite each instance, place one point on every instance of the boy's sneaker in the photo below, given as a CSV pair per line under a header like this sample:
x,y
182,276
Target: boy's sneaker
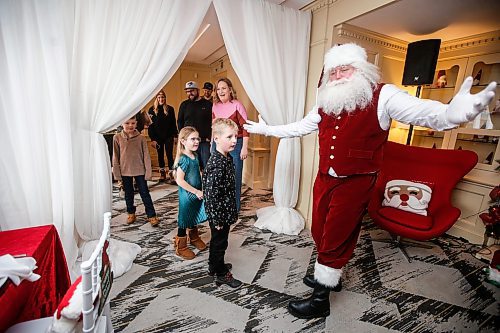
x,y
171,177
131,218
211,272
229,280
163,175
154,221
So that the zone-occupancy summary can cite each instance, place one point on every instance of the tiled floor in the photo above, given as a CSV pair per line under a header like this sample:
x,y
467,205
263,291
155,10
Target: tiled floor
x,y
442,290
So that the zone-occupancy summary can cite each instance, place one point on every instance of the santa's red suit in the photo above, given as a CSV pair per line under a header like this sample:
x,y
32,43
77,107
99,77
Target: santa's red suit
x,y
351,141
348,151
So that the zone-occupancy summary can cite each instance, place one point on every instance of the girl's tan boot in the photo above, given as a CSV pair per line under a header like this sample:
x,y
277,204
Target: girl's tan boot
x,y
195,240
181,249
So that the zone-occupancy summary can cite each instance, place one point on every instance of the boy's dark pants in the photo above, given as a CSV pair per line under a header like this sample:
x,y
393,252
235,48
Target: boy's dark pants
x,y
128,187
218,246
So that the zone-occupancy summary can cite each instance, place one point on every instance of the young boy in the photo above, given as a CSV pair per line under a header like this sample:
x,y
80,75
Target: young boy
x,y
220,199
131,160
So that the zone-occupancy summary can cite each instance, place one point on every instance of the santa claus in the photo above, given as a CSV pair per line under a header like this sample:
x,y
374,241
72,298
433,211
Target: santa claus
x,y
353,115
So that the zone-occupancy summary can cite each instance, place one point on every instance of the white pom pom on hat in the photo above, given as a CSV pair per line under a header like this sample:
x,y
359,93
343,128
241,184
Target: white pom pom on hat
x,y
345,54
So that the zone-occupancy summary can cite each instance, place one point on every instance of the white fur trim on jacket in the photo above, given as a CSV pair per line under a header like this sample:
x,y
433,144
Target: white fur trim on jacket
x,y
327,276
345,54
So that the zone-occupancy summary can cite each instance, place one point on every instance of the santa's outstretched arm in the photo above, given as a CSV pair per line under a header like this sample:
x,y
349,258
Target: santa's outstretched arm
x,y
306,125
399,105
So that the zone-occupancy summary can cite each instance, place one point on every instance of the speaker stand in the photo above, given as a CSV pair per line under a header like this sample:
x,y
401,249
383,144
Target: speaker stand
x,y
410,129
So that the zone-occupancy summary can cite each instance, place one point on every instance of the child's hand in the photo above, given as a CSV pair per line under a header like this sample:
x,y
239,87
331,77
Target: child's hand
x,y
199,194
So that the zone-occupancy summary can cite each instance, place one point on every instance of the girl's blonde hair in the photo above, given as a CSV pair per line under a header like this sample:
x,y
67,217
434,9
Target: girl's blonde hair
x,y
155,104
184,133
232,92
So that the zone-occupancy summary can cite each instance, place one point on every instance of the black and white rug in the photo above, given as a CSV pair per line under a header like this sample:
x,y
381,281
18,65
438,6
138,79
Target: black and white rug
x,y
441,290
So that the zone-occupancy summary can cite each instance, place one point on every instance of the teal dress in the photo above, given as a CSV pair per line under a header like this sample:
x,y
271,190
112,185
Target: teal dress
x,y
191,209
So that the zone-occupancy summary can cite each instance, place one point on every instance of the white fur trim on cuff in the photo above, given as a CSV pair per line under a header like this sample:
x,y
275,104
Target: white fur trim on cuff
x,y
327,276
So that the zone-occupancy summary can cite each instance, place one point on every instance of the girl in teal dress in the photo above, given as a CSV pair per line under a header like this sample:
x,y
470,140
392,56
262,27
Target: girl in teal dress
x,y
191,208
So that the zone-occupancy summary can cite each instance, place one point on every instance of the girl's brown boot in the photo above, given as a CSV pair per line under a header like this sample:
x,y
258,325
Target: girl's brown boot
x,y
195,240
181,249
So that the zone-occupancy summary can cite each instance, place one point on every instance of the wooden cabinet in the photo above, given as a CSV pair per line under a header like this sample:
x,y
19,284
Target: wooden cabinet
x,y
482,137
472,194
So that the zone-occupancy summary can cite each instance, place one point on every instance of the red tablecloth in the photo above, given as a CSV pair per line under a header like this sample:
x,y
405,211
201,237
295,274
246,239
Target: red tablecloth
x,y
33,300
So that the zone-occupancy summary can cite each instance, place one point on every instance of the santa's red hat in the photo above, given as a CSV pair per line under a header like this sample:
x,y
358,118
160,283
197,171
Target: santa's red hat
x,y
345,54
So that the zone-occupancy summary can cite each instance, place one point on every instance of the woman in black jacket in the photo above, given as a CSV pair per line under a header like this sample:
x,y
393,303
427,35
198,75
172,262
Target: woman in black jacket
x,y
162,131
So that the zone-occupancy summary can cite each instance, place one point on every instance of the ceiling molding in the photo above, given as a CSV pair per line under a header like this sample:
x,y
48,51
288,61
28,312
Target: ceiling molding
x,y
485,39
188,64
317,5
213,53
350,31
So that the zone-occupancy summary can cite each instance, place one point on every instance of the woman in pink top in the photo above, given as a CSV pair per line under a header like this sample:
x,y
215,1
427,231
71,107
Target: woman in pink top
x,y
227,106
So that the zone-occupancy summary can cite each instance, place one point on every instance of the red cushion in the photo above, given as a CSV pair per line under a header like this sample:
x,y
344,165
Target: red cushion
x,y
407,219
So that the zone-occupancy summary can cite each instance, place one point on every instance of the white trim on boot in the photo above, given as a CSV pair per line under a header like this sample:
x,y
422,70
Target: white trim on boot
x,y
327,276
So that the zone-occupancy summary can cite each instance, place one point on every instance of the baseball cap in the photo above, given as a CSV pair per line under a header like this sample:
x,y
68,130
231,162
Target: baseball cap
x,y
191,85
208,86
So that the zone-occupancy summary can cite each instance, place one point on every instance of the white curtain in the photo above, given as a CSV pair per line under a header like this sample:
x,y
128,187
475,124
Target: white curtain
x,y
268,46
36,166
70,70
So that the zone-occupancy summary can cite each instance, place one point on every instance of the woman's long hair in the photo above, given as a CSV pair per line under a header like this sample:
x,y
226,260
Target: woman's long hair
x,y
155,105
183,135
231,90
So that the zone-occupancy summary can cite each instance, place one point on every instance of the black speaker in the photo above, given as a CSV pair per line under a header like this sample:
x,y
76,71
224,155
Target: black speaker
x,y
420,63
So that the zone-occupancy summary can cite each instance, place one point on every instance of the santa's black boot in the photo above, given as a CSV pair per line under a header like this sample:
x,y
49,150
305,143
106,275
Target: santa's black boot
x,y
315,306
310,281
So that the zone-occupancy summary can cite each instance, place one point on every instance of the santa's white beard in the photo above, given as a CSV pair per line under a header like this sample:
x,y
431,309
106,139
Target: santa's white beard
x,y
341,95
413,204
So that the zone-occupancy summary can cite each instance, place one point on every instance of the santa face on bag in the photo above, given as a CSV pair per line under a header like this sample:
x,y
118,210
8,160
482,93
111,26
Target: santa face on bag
x,y
408,196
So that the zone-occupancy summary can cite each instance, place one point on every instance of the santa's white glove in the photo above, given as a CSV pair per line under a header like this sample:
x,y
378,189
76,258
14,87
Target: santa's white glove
x,y
465,107
299,128
258,128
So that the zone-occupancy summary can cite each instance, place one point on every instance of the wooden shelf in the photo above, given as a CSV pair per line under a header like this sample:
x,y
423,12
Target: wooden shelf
x,y
477,141
443,88
429,136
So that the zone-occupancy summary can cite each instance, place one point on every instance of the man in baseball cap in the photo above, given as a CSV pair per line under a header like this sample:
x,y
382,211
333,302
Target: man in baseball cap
x,y
197,112
191,85
208,88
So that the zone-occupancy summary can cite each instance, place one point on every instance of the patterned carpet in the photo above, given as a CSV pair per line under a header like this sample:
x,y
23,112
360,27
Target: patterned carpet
x,y
442,290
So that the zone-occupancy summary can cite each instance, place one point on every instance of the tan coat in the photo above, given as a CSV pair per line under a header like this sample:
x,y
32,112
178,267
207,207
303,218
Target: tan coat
x,y
130,156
